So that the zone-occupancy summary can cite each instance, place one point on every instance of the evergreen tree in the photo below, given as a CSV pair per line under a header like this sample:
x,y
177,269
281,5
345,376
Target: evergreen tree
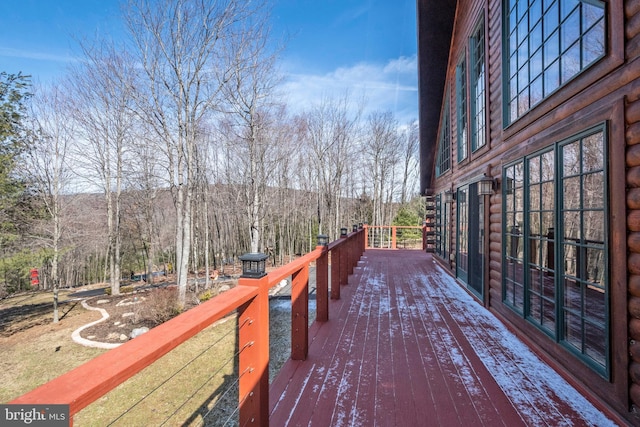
x,y
14,200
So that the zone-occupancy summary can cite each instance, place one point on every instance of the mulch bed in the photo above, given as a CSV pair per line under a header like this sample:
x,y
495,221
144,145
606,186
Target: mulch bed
x,y
127,312
125,315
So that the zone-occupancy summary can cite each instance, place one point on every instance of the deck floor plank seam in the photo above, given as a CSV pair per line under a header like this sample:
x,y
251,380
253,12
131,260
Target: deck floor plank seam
x,y
407,345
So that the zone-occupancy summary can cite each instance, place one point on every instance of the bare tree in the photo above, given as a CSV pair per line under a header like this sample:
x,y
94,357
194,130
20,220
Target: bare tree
x,y
102,87
410,140
250,96
143,180
331,132
46,163
180,48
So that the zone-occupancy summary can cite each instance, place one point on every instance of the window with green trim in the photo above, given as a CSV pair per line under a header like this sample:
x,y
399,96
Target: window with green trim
x,y
548,43
513,262
443,162
442,227
462,259
461,108
541,304
583,249
555,234
477,87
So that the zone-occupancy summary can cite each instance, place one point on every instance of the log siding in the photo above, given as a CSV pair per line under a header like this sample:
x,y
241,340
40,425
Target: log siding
x,y
608,92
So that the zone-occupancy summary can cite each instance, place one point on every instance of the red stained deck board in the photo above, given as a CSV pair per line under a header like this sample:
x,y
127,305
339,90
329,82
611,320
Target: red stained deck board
x,y
399,350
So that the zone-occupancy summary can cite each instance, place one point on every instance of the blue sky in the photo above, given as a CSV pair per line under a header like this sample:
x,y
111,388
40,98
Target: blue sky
x,y
367,47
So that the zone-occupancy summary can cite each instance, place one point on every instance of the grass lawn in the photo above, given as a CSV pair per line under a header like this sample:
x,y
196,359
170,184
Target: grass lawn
x,y
34,349
182,388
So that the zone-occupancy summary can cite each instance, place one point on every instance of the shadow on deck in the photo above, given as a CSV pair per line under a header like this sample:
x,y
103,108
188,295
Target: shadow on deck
x,y
406,346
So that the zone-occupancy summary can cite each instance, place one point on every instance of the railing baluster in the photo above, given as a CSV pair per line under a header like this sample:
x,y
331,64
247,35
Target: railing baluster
x,y
335,273
254,358
300,314
322,286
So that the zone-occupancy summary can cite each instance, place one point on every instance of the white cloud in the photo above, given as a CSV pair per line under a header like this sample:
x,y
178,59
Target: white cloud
x,y
41,56
388,87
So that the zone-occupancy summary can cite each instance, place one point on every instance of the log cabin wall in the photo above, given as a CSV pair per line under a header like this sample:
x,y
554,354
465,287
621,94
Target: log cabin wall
x,y
632,138
606,94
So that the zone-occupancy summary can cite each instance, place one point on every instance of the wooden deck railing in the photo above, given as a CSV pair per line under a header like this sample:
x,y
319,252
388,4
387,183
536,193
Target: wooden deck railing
x,y
88,382
387,236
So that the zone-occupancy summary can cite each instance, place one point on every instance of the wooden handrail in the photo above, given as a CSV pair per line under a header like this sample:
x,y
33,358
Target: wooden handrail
x,y
88,382
85,384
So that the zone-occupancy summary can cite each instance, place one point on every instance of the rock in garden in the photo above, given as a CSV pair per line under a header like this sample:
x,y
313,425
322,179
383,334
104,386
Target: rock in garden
x,y
123,337
138,331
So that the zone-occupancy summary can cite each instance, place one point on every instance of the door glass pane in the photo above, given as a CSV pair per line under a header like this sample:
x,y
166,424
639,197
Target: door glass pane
x,y
595,343
594,305
534,197
573,330
570,258
547,166
593,230
571,189
549,314
595,267
548,196
571,226
593,188
571,159
463,233
593,153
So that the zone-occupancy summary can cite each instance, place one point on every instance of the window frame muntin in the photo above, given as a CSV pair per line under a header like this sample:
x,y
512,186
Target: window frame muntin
x,y
613,50
604,127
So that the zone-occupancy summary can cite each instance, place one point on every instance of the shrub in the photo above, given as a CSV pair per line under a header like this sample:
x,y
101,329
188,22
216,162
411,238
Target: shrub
x,y
162,304
205,296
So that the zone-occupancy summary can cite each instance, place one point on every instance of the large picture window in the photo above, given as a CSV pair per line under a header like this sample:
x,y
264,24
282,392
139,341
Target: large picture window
x,y
443,163
555,270
477,87
461,108
548,42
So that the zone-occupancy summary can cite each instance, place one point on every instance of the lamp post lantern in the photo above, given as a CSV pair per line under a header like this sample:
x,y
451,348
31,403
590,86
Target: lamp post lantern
x,y
254,265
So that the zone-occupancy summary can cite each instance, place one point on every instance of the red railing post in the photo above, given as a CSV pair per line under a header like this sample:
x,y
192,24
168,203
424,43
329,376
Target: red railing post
x,y
344,261
352,260
253,346
424,237
393,237
335,272
300,314
366,236
322,286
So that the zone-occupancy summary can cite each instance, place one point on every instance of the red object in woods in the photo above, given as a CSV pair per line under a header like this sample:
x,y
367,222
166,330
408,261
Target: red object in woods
x,y
35,281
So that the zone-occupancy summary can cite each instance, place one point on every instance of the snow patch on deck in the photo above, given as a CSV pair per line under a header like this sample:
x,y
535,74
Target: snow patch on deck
x,y
532,386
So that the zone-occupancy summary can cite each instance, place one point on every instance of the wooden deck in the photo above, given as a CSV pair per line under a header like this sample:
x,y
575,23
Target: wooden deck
x,y
406,346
